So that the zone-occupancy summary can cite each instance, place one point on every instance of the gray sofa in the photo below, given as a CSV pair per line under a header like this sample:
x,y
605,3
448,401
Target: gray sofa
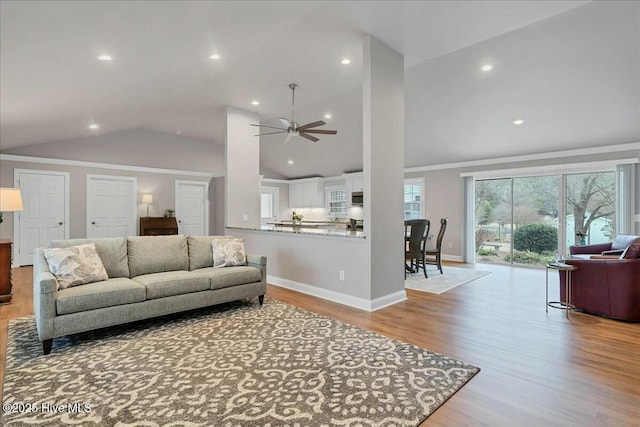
x,y
148,276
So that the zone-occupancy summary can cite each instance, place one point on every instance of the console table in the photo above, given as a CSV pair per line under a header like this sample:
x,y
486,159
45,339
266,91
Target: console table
x,y
158,226
5,271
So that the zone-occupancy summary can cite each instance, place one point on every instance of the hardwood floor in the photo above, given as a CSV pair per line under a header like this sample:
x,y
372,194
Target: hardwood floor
x,y
538,369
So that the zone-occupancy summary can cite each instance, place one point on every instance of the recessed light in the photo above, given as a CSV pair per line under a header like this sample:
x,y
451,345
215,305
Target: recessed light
x,y
487,67
105,58
328,116
346,61
93,126
254,102
290,162
214,56
518,122
178,132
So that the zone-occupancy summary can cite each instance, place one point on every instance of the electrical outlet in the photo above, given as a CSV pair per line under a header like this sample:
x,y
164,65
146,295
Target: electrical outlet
x,y
245,217
341,275
450,245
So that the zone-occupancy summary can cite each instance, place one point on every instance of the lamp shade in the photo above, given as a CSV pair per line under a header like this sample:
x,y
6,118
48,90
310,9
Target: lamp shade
x,y
147,198
10,200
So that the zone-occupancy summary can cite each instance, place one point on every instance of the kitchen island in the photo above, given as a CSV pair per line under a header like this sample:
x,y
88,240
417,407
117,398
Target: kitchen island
x,y
335,231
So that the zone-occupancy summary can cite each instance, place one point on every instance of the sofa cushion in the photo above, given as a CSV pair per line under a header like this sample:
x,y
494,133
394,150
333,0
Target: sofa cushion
x,y
75,265
155,254
160,285
107,293
228,253
200,251
229,276
622,241
112,251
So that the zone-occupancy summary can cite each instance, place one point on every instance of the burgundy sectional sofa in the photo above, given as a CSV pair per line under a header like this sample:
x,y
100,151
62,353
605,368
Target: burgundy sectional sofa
x,y
607,287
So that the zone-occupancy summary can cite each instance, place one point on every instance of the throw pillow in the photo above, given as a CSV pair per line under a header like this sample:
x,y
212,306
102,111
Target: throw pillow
x,y
75,265
228,252
633,251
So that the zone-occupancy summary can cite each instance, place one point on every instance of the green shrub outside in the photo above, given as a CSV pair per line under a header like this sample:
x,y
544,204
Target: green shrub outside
x,y
527,257
486,252
535,238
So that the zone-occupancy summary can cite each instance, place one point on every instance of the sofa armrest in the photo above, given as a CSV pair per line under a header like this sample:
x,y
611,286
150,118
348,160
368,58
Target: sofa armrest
x,y
260,262
45,290
256,259
604,257
613,252
590,249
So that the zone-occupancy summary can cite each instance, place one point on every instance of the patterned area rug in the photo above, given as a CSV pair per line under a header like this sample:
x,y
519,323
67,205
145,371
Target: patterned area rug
x,y
438,283
234,365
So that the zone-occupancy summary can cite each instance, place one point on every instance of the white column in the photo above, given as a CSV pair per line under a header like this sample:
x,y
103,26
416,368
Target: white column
x,y
242,162
383,151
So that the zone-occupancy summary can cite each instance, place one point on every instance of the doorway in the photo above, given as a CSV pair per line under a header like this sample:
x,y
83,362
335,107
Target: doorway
x,y
45,196
192,207
111,206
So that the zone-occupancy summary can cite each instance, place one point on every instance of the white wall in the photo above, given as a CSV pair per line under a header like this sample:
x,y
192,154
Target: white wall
x,y
242,159
135,147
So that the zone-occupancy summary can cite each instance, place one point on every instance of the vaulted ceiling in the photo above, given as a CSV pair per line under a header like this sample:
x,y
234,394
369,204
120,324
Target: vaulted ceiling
x,y
569,69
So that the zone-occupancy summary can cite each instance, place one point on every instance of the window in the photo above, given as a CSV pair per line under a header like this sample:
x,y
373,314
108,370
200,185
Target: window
x,y
337,202
413,205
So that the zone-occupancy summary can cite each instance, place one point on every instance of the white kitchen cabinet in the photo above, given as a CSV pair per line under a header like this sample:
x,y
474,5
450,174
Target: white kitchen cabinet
x,y
296,195
354,183
308,193
357,183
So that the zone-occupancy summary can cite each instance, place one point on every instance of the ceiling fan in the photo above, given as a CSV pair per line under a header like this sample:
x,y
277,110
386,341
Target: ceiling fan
x,y
292,128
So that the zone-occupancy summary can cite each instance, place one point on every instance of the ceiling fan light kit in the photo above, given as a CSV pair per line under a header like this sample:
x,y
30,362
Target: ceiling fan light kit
x,y
292,128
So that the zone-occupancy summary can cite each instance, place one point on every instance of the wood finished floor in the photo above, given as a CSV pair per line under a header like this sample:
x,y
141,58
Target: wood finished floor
x,y
538,369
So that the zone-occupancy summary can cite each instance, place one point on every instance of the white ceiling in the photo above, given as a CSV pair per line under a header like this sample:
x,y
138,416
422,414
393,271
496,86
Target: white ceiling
x,y
570,69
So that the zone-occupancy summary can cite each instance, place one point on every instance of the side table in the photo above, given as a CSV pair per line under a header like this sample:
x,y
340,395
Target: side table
x,y
562,305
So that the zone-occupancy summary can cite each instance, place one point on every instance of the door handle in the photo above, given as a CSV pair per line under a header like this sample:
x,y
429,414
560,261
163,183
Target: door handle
x,y
180,221
60,223
93,223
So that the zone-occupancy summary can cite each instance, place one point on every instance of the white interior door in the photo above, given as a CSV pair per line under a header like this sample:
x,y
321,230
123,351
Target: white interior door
x,y
111,206
192,207
46,211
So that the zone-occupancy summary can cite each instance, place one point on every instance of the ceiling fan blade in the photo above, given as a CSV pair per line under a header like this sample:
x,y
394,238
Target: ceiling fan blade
x,y
309,137
325,131
270,133
312,125
288,137
269,127
285,122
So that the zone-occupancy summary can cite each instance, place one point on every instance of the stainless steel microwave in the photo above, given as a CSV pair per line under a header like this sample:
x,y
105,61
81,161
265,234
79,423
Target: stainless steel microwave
x,y
357,198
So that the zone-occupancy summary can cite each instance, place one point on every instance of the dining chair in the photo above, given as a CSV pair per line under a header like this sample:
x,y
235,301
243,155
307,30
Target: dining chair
x,y
416,232
434,256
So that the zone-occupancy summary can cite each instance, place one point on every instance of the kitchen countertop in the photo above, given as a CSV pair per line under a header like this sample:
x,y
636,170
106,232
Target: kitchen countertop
x,y
305,231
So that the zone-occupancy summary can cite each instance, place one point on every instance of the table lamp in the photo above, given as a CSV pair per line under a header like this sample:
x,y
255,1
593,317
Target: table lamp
x,y
10,200
148,199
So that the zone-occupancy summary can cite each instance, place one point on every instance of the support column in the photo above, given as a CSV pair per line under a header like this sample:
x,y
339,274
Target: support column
x,y
242,162
383,151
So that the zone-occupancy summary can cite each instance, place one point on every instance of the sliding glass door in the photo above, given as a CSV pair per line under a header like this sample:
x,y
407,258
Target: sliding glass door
x,y
518,220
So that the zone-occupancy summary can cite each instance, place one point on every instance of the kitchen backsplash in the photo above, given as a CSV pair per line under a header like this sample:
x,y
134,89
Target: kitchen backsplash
x,y
320,214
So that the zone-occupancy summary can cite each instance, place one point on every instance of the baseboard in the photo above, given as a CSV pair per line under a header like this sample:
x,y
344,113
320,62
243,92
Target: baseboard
x,y
456,258
388,300
340,298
